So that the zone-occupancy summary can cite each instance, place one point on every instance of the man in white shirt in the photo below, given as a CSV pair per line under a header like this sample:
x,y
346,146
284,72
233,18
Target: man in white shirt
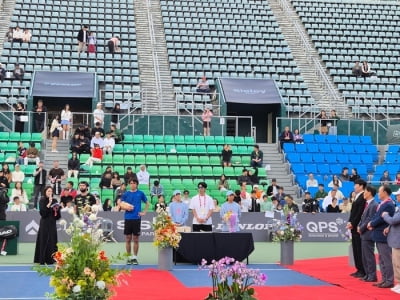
x,y
328,199
109,144
98,114
311,182
97,139
17,206
17,175
339,194
143,176
202,207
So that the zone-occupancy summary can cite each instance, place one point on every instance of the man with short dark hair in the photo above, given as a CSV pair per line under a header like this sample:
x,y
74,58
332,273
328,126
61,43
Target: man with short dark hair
x,y
32,154
83,38
321,193
273,188
202,207
356,212
56,176
310,205
133,213
344,176
84,197
39,116
256,157
291,206
97,128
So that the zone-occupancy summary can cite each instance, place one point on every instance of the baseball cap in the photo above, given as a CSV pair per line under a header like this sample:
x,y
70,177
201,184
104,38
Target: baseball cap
x,y
177,192
228,193
255,186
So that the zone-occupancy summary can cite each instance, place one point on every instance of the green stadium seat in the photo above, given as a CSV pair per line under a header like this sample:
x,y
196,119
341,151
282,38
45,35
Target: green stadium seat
x,y
95,170
151,159
185,171
138,159
220,140
197,171
172,159
159,148
189,139
129,138
118,148
148,139
179,139
107,194
107,159
161,159
207,171
118,159
149,148
204,160
15,137
4,136
163,171
169,139
36,137
25,137
158,139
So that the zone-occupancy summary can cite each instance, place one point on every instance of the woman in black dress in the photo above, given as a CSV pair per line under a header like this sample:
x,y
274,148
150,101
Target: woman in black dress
x,y
46,242
19,111
226,156
115,114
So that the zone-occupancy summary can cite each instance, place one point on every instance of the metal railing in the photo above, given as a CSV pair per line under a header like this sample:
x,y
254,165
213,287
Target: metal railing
x,y
193,103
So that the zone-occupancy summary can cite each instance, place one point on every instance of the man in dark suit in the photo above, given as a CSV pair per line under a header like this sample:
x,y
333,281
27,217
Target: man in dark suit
x,y
367,244
273,188
82,38
356,212
378,225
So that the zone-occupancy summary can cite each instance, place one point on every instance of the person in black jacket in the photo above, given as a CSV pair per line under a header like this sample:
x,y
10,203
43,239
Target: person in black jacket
x,y
73,165
356,212
4,184
244,177
273,188
115,114
3,203
39,116
82,38
39,176
310,205
253,176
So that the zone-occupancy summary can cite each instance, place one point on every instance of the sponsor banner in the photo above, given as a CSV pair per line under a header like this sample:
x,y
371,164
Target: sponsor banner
x,y
317,228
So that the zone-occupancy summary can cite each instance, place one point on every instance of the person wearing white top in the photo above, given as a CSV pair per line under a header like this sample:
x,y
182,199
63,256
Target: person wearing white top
x,y
98,115
18,35
311,182
143,176
245,198
202,207
17,175
17,206
109,144
66,121
18,191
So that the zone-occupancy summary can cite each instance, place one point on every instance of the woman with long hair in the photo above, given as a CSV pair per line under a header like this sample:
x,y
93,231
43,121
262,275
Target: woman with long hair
x,y
19,192
19,114
46,241
7,172
55,132
66,121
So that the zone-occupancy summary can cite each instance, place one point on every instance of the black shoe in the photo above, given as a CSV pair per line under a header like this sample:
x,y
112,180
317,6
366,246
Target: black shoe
x,y
370,280
378,283
364,278
135,262
386,285
129,261
354,274
359,275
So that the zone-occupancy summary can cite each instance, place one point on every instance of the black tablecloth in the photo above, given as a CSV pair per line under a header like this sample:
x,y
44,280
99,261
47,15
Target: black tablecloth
x,y
195,246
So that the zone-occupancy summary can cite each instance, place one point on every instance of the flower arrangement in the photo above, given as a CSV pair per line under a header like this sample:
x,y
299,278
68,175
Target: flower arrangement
x,y
82,270
287,229
165,231
232,279
230,220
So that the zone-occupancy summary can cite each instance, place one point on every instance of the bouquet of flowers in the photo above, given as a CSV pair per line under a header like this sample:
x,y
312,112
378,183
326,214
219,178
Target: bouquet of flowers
x,y
232,279
165,231
82,270
287,229
230,220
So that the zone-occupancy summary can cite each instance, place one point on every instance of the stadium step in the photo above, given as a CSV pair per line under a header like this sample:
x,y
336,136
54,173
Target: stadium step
x,y
304,58
61,155
154,72
6,11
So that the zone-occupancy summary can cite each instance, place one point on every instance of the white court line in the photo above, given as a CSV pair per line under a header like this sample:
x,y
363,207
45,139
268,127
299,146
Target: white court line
x,y
27,271
23,298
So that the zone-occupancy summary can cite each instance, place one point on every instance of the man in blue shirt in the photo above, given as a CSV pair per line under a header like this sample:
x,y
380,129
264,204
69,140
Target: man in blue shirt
x,y
131,202
230,213
178,210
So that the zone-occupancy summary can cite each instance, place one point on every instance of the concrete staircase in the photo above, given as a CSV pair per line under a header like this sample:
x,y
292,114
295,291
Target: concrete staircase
x,y
154,72
62,155
279,170
6,11
286,18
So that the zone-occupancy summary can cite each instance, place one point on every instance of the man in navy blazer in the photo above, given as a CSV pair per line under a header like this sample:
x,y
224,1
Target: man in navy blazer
x,y
378,225
367,244
393,239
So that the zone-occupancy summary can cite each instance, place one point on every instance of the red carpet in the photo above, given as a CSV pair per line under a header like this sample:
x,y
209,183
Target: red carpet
x,y
151,284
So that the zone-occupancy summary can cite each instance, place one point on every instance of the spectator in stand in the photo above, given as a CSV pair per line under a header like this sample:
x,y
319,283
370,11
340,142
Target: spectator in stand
x,y
55,129
328,199
97,139
19,192
311,181
357,70
339,194
107,206
334,118
18,35
256,157
255,202
115,114
297,137
290,204
73,166
143,176
92,42
335,181
84,197
83,130
266,204
253,176
206,117
223,184
160,204
84,145
178,210
203,86
119,192
273,188
226,156
310,205
324,122
385,178
258,192
56,176
3,73
75,143
66,121
105,182
97,128
113,45
366,69
32,154
17,175
116,134
286,137
18,73
20,116
22,152
378,227
157,189
4,183
9,34
39,116
27,36
69,187
333,207
98,114
7,172
244,177
109,144
280,196
116,181
129,175
245,198
17,205
82,38
345,207
39,176
97,155
186,197
354,175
